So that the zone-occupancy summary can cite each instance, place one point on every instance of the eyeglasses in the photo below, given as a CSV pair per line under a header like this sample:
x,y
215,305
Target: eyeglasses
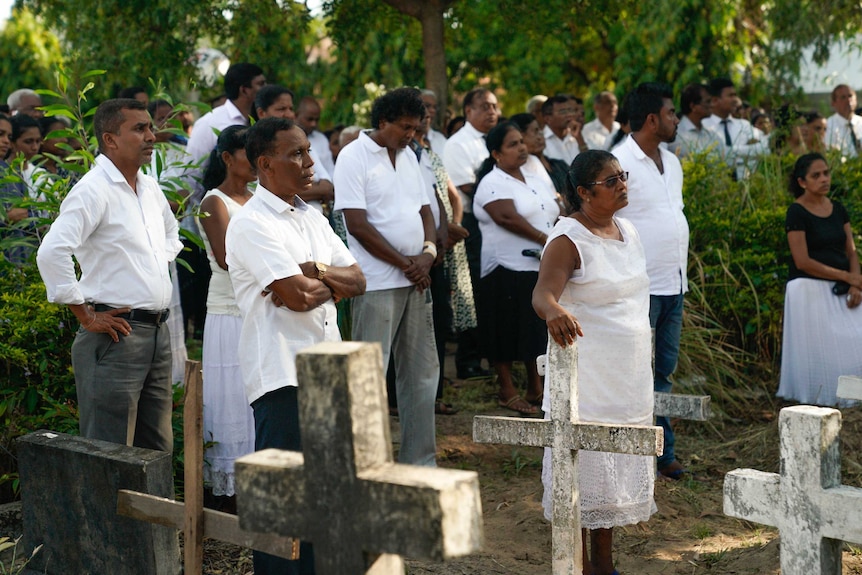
x,y
612,181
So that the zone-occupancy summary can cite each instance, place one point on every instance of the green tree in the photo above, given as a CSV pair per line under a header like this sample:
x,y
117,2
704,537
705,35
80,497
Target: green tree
x,y
29,53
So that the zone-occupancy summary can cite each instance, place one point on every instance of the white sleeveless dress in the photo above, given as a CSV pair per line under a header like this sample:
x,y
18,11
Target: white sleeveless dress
x,y
228,417
609,295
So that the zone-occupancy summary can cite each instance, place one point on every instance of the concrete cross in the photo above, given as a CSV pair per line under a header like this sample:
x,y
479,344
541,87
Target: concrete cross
x,y
674,405
343,492
850,387
805,501
566,434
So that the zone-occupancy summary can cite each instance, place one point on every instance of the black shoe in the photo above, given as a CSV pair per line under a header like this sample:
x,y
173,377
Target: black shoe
x,y
473,372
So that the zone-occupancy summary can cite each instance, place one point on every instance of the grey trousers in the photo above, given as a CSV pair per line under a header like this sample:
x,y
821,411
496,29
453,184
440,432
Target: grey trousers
x,y
124,388
401,320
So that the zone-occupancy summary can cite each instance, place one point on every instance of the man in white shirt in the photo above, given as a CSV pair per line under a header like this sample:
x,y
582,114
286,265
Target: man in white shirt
x,y
656,209
122,232
308,117
692,137
597,132
435,138
844,127
743,144
563,137
534,107
381,192
464,153
280,246
25,101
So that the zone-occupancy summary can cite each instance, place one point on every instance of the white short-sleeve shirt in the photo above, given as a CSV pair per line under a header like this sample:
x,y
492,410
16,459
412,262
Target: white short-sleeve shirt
x,y
267,240
656,209
464,153
534,200
391,196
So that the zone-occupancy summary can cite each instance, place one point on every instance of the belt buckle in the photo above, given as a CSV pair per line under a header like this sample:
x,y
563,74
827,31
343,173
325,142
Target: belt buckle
x,y
159,315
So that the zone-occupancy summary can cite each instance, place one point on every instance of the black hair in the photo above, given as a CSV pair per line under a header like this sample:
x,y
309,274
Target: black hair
x,y
472,95
548,105
239,75
154,106
812,115
46,122
399,103
717,85
267,96
691,96
648,98
453,122
21,123
109,116
494,143
523,120
800,170
585,168
230,140
131,91
260,138
757,115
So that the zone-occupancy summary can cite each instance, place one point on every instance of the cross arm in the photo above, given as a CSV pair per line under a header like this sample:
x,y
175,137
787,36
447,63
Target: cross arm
x,y
841,511
613,438
752,495
513,431
270,492
680,406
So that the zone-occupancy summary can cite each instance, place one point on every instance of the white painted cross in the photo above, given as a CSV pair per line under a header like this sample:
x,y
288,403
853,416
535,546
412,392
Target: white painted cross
x,y
674,405
805,501
343,492
566,434
850,387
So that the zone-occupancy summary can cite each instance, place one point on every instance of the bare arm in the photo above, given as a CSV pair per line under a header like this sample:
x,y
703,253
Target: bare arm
x,y
455,200
215,227
804,262
560,259
343,282
301,293
442,232
103,321
505,215
321,191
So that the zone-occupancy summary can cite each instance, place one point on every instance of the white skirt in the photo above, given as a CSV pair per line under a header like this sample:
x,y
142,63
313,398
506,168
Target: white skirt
x,y
822,340
178,333
228,418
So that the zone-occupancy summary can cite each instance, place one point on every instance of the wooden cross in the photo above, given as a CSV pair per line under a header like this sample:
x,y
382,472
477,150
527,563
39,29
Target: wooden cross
x,y
805,501
195,521
850,387
566,434
674,405
343,492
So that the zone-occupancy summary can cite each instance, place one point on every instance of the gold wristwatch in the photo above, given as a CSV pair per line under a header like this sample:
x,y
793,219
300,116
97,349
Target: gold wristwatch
x,y
321,269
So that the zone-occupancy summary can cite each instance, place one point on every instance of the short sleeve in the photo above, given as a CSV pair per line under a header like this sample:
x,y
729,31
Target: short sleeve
x,y
796,220
842,212
253,246
349,179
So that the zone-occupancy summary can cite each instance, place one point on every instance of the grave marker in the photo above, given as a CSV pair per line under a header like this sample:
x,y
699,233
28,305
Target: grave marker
x,y
850,387
344,493
566,434
805,501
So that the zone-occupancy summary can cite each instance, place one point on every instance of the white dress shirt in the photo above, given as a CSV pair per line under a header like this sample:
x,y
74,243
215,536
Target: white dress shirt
x,y
320,144
391,197
838,134
437,141
565,149
122,239
595,134
534,200
693,140
266,241
656,209
465,151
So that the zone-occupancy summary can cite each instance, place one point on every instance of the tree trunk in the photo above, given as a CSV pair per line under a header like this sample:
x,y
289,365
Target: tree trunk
x,y
430,15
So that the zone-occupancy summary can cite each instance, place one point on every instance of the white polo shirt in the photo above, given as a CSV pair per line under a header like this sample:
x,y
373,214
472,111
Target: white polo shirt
x,y
656,209
391,197
534,200
465,151
267,240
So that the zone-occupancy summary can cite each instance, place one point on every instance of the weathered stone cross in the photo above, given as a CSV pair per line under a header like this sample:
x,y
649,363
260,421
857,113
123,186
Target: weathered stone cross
x,y
566,434
806,501
343,492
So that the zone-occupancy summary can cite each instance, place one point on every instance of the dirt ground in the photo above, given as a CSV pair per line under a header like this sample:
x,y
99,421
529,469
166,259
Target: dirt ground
x,y
688,536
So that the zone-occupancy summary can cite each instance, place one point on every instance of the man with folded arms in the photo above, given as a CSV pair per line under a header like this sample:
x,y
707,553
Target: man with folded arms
x,y
118,225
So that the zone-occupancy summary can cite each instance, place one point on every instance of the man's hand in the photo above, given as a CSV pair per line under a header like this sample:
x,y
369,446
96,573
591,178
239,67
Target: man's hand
x,y
107,322
456,234
417,271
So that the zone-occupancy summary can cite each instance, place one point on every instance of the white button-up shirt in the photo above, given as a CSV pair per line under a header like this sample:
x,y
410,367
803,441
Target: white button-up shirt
x,y
565,149
266,241
840,133
691,140
365,179
320,144
595,134
123,240
656,209
465,151
747,142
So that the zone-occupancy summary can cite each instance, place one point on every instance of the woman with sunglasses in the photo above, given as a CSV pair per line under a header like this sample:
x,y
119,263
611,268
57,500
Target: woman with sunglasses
x,y
593,284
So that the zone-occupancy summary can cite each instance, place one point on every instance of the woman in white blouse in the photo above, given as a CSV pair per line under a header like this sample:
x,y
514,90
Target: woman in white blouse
x,y
516,210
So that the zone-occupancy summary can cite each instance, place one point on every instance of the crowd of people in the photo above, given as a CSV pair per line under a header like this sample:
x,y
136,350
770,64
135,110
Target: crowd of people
x,y
496,234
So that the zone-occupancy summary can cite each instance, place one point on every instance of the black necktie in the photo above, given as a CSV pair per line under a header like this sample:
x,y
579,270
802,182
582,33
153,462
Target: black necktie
x,y
853,137
728,142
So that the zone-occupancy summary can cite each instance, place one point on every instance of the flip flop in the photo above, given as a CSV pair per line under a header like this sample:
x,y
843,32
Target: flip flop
x,y
518,404
537,401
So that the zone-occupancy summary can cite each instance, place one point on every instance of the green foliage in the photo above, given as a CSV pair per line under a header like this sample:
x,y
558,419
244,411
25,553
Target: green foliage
x,y
16,565
28,53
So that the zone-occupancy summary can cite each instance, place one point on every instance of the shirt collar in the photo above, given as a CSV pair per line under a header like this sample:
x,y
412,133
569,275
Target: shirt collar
x,y
686,124
113,172
471,129
277,204
234,112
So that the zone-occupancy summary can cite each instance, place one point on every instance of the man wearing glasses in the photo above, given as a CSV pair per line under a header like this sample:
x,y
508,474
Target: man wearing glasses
x,y
656,209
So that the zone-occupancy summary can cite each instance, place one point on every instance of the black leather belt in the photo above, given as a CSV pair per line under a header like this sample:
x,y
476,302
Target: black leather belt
x,y
155,318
